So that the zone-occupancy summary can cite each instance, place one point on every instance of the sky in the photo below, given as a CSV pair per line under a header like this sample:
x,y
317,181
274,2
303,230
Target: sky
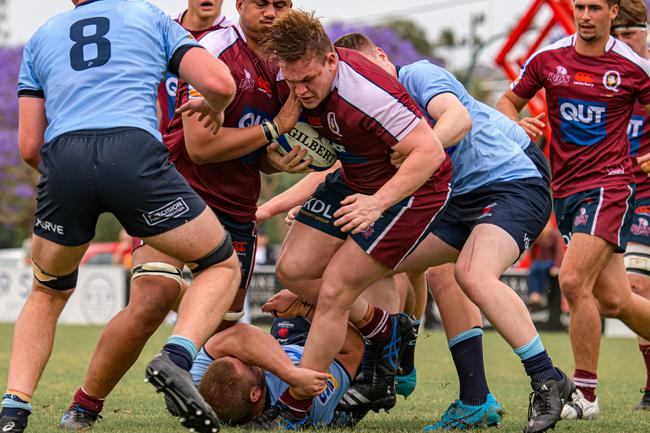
x,y
25,16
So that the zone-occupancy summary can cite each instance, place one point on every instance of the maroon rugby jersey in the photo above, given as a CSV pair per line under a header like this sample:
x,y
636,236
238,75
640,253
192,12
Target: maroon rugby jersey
x,y
367,113
590,102
231,187
638,132
167,88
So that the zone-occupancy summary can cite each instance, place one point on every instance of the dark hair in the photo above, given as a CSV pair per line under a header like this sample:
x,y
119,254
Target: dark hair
x,y
355,41
299,35
228,392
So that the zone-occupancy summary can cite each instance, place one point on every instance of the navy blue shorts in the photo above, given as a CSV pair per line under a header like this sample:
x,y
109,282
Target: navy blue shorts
x,y
124,171
520,207
536,155
244,241
290,331
640,227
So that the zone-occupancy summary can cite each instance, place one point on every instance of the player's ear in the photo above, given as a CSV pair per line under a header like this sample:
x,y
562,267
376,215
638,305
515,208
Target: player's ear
x,y
256,393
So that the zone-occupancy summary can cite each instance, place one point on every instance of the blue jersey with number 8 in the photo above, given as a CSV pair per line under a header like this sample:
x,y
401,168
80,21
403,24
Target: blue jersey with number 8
x,y
98,66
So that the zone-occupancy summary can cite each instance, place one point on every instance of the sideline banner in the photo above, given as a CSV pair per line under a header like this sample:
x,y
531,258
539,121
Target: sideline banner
x,y
100,294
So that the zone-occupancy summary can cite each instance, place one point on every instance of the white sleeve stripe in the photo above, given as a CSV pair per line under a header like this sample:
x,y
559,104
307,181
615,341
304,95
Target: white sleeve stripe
x,y
361,93
562,43
626,52
218,41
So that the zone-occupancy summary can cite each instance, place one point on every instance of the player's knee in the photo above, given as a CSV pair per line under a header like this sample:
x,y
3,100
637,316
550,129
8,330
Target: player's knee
x,y
57,286
611,306
146,317
472,281
222,256
573,287
289,272
333,296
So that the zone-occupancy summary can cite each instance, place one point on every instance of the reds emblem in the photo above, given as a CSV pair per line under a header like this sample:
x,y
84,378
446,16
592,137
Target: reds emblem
x,y
560,77
641,229
582,219
368,232
246,83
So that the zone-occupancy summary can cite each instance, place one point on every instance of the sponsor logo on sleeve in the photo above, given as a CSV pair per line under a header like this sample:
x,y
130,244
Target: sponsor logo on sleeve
x,y
173,209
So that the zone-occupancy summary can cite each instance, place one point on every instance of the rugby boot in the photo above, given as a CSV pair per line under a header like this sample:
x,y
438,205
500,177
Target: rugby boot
x,y
406,378
461,416
379,393
11,424
179,390
78,418
644,404
278,417
347,419
546,402
578,407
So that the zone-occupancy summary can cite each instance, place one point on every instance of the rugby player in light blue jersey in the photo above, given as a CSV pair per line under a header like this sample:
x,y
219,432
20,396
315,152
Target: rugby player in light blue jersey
x,y
87,123
499,203
244,370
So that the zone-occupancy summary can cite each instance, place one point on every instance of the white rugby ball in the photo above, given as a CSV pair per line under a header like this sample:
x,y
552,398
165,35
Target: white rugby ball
x,y
319,148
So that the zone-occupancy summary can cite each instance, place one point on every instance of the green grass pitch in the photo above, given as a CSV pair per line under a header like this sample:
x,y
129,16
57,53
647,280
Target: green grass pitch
x,y
134,406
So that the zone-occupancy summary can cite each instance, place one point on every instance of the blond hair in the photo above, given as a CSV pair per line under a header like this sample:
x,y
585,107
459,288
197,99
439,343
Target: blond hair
x,y
356,41
631,13
299,35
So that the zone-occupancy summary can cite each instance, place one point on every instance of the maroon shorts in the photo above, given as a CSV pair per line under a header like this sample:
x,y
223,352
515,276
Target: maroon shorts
x,y
604,212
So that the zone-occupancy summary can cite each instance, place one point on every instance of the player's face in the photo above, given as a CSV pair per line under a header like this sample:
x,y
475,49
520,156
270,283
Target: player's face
x,y
311,80
637,39
205,9
593,18
256,16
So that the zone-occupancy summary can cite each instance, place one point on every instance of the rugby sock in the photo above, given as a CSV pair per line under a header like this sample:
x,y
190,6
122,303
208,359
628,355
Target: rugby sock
x,y
645,351
586,382
375,326
14,406
298,408
367,363
407,363
87,401
181,351
537,363
467,351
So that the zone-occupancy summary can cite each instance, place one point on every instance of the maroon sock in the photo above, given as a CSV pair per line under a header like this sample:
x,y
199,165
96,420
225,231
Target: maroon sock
x,y
298,407
586,382
88,401
645,351
378,328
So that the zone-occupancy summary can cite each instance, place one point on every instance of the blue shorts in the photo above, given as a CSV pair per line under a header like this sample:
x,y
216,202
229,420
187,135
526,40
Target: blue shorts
x,y
538,158
290,331
520,207
244,242
640,227
604,212
124,171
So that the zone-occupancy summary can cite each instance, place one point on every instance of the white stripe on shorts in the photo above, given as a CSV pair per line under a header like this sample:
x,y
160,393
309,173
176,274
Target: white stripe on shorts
x,y
600,203
392,223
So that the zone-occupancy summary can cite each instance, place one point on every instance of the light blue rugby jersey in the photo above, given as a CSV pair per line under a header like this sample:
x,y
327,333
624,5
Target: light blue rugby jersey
x,y
99,65
322,411
493,151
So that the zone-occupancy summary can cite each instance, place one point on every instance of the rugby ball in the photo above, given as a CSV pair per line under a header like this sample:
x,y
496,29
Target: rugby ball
x,y
319,148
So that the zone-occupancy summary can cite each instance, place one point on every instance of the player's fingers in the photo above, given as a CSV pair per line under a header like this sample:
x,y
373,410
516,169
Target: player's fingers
x,y
540,116
349,199
304,165
361,227
538,123
351,225
343,210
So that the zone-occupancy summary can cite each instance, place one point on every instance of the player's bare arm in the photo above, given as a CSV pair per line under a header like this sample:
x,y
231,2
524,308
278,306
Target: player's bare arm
x,y
256,347
424,155
294,196
510,104
32,123
212,78
231,143
453,121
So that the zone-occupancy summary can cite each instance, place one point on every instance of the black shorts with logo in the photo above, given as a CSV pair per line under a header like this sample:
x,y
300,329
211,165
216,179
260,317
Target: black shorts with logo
x,y
244,242
124,171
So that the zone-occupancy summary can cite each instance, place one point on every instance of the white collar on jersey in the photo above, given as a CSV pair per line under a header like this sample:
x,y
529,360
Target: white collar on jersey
x,y
221,20
610,42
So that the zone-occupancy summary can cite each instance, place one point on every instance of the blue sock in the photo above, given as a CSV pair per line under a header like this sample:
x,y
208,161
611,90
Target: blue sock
x,y
200,365
181,351
467,351
14,406
537,363
367,363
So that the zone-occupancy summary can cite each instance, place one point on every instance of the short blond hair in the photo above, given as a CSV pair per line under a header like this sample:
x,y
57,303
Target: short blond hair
x,y
299,35
631,13
356,41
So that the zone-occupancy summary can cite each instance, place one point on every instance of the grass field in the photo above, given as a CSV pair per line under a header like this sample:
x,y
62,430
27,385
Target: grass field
x,y
134,407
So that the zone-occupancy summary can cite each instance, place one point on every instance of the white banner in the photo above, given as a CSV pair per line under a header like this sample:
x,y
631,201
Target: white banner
x,y
99,296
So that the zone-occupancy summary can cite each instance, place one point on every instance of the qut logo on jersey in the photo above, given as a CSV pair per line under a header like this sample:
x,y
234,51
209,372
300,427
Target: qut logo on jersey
x,y
252,117
582,123
634,131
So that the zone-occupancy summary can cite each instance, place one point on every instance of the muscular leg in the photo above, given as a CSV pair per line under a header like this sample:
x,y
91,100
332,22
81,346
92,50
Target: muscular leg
x,y
584,260
418,281
121,342
36,324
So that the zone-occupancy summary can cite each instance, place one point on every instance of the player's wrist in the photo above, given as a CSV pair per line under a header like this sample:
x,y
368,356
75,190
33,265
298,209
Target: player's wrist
x,y
271,130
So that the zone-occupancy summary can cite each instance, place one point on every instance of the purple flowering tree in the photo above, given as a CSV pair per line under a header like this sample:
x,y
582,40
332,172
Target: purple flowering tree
x,y
17,178
399,50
